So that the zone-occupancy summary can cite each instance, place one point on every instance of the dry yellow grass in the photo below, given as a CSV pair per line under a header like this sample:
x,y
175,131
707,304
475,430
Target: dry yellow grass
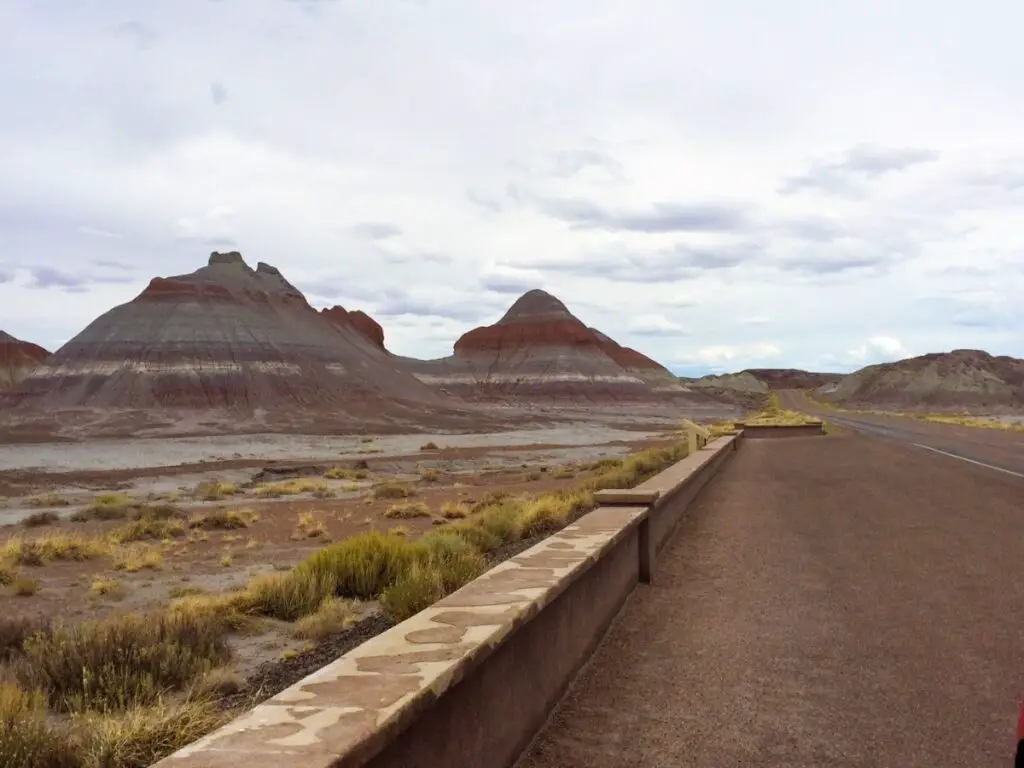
x,y
24,586
334,615
454,510
346,473
309,526
290,487
109,588
215,490
407,510
223,519
48,547
391,490
48,500
137,557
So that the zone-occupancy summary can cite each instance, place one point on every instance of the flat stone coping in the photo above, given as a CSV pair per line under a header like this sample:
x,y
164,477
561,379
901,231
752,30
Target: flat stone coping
x,y
352,707
616,496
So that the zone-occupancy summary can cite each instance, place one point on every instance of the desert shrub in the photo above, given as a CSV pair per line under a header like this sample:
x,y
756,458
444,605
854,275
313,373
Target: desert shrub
x,y
48,500
223,519
215,490
290,487
54,546
137,557
38,519
147,527
121,662
501,521
111,588
142,736
408,510
26,739
346,473
360,567
431,446
309,527
25,587
287,595
452,510
14,632
334,615
392,491
8,573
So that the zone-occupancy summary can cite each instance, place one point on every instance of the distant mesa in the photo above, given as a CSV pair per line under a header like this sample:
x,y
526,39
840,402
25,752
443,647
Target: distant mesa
x,y
540,350
18,359
224,336
962,378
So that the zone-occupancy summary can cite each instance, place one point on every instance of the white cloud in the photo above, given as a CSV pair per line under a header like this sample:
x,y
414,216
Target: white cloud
x,y
878,349
655,325
425,157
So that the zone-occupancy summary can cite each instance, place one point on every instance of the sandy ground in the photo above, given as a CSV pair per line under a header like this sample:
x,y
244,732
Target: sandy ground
x,y
146,452
836,601
64,478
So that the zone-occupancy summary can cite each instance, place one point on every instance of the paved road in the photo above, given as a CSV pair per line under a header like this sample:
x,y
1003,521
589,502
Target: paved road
x,y
829,601
998,449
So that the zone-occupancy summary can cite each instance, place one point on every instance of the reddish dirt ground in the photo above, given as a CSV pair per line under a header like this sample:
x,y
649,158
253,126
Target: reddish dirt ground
x,y
834,601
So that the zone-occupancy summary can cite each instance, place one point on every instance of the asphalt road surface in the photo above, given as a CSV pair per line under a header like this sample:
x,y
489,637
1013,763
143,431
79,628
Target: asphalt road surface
x,y
828,601
998,449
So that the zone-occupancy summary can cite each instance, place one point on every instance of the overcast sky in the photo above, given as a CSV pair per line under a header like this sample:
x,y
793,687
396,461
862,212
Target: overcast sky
x,y
720,184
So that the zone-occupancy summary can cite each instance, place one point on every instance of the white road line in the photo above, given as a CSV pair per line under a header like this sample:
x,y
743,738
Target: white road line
x,y
969,461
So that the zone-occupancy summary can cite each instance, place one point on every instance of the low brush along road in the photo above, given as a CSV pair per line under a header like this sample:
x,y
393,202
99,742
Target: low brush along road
x,y
847,600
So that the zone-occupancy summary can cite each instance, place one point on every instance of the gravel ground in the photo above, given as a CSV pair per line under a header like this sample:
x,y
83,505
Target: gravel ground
x,y
839,601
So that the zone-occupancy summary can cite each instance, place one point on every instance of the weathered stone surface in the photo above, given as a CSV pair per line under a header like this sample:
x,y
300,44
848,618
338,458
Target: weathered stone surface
x,y
539,350
961,378
18,359
225,335
358,320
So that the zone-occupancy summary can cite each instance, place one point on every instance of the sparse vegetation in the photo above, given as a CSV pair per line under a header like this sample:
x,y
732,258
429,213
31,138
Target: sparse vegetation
x,y
290,487
430,475
392,491
39,519
563,473
408,510
431,446
453,510
25,587
223,519
137,557
334,615
215,490
135,664
309,527
110,588
48,547
346,473
48,500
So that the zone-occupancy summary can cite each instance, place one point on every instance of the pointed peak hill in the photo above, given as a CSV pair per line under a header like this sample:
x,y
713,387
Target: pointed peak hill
x,y
224,336
539,350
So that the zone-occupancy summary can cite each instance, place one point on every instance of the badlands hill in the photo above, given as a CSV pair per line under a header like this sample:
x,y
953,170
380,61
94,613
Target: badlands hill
x,y
229,348
224,336
961,378
17,359
762,380
540,351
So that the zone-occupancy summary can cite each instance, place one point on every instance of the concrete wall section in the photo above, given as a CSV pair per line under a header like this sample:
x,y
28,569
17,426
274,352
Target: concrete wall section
x,y
756,431
470,680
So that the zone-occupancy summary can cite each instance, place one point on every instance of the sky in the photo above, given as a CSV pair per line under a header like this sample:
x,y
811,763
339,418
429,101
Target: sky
x,y
720,184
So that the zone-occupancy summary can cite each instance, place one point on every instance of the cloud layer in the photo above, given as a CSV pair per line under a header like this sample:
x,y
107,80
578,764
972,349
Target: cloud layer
x,y
661,168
